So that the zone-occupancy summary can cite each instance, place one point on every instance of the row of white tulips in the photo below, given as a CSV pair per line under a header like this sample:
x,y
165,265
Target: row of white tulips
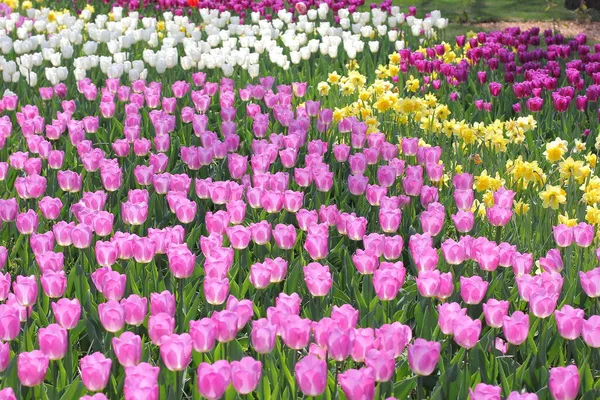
x,y
124,44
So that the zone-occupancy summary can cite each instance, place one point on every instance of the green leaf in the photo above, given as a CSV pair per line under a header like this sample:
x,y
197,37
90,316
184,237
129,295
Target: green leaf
x,y
74,391
403,388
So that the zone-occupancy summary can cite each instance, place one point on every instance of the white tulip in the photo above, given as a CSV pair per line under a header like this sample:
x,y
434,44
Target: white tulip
x,y
441,23
55,59
345,23
415,30
67,51
134,75
6,44
120,57
323,10
374,46
90,47
187,63
227,70
253,70
295,57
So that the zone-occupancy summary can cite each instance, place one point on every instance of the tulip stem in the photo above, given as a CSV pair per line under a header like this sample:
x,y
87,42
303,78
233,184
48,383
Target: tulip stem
x,y
498,234
420,394
179,378
55,380
180,287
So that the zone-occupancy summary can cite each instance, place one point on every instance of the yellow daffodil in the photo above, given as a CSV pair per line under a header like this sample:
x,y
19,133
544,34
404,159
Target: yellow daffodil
x,y
553,196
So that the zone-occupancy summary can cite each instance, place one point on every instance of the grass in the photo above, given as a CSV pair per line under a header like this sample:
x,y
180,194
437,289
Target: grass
x,y
473,11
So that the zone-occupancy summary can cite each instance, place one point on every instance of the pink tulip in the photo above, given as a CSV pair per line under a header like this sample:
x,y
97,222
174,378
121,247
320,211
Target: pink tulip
x,y
285,236
163,302
473,289
97,396
67,312
357,384
564,382
141,381
159,326
466,331
357,184
542,303
498,216
176,351
583,234
552,262
244,309
81,236
4,356
261,232
516,327
226,327
216,290
26,290
393,337
203,335
296,332
311,375
339,343
563,235
454,253
382,364
364,340
522,263
318,279
569,322
143,250
95,371
365,261
409,146
387,284
7,394
375,194
591,331
263,336
495,311
32,367
53,341
50,207
317,246
3,257
428,283
389,220
27,222
213,379
135,308
127,348
112,316
590,282
356,227
423,356
181,261
113,285
464,199
522,396
245,375
485,392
